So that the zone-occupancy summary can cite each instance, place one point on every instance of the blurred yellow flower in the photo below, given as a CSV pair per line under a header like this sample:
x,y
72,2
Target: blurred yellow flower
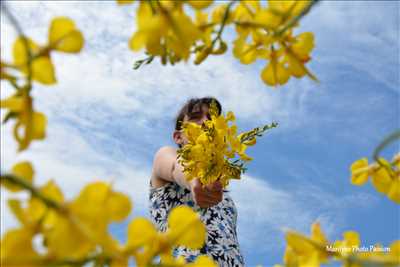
x,y
63,37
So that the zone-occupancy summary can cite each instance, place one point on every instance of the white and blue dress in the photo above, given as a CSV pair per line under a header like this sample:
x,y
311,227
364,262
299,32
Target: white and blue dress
x,y
221,242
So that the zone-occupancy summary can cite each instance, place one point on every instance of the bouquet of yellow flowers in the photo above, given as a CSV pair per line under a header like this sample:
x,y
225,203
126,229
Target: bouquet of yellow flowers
x,y
214,150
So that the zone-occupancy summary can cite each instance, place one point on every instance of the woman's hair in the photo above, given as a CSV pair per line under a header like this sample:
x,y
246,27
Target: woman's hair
x,y
192,107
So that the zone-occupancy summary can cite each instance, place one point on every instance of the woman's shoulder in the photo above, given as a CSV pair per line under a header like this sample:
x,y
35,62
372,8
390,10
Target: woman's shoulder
x,y
166,150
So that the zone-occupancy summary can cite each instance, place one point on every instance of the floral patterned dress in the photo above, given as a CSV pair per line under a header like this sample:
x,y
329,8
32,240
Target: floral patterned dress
x,y
221,242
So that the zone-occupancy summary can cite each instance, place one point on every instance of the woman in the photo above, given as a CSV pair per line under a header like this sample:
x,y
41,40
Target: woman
x,y
169,188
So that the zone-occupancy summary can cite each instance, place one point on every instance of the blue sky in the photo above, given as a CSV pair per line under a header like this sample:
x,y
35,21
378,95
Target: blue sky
x,y
106,121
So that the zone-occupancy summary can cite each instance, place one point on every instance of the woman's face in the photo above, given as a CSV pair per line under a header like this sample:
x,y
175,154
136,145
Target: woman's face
x,y
198,116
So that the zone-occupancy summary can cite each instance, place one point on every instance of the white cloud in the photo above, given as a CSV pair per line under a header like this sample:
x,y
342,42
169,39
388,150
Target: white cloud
x,y
72,163
364,35
265,211
100,80
101,75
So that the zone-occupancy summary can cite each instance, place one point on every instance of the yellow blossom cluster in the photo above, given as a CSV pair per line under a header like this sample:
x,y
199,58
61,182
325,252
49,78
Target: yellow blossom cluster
x,y
76,231
263,32
304,251
215,151
266,33
33,62
385,176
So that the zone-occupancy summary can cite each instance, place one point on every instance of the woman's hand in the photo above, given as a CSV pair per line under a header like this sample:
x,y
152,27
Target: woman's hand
x,y
206,196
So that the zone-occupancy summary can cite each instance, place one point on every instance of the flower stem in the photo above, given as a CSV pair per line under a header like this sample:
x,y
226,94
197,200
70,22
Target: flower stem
x,y
33,190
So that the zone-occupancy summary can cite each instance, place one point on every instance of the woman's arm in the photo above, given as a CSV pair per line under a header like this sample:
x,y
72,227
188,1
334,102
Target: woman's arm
x,y
167,168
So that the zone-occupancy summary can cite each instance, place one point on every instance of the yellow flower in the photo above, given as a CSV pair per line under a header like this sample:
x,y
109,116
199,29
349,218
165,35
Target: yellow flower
x,y
248,52
297,54
42,67
275,73
200,4
63,37
212,148
22,170
202,261
287,9
359,172
184,229
17,249
350,239
30,125
83,222
385,176
205,26
381,179
164,30
394,191
65,238
125,2
98,205
306,251
218,13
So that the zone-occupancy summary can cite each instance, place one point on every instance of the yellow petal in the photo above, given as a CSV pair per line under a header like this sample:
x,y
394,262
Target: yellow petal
x,y
352,238
137,41
186,228
394,191
20,51
91,202
249,55
381,180
39,123
42,67
300,244
202,261
13,103
141,232
290,257
218,13
119,206
186,32
230,116
52,191
317,234
299,6
36,208
63,36
275,73
200,4
35,211
238,47
124,2
17,245
64,239
202,55
119,262
296,67
23,170
16,209
31,125
303,45
43,70
358,176
395,248
268,19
